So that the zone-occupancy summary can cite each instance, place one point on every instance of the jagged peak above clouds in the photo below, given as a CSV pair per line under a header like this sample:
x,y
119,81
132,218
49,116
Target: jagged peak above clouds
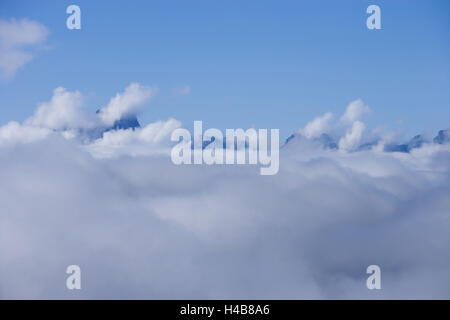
x,y
115,124
115,128
442,137
352,141
320,132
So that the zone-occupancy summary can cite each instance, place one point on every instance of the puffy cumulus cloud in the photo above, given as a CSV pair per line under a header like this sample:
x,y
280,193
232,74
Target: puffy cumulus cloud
x,y
151,139
141,227
18,39
128,102
316,127
13,133
347,134
62,112
354,111
353,136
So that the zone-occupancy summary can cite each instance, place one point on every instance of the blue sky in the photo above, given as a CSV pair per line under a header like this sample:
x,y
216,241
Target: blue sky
x,y
268,64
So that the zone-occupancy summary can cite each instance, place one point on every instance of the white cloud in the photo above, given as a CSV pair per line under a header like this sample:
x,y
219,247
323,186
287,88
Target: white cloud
x,y
13,133
354,111
353,136
317,126
141,227
154,138
62,112
128,102
18,39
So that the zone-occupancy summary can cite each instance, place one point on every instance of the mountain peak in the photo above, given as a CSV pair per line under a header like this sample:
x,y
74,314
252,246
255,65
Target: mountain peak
x,y
442,137
417,141
125,122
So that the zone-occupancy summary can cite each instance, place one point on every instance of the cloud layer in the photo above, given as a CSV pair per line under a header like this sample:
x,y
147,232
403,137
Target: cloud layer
x,y
141,227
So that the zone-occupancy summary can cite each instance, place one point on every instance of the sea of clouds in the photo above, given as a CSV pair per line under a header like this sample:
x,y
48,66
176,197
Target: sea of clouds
x,y
141,227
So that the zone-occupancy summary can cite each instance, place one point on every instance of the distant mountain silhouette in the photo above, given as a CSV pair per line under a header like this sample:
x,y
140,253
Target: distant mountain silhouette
x,y
442,137
324,140
130,122
124,123
417,141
